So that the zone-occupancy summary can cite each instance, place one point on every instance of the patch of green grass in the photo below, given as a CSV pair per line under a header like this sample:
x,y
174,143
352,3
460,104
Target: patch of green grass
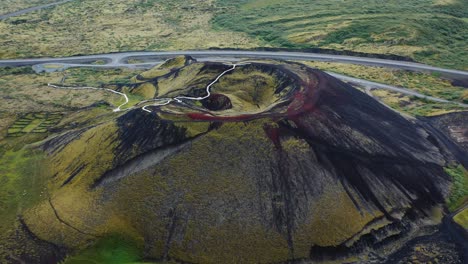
x,y
113,249
22,177
34,123
459,193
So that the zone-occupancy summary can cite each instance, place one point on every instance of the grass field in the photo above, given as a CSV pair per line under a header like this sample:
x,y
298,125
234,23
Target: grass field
x,y
414,106
434,32
459,192
24,91
33,123
88,26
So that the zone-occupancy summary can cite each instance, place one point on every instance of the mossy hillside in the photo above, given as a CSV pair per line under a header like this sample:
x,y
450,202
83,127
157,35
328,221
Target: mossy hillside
x,y
334,220
192,129
76,168
171,83
459,192
112,249
33,123
252,88
93,116
177,62
194,192
23,176
462,218
81,153
185,78
164,68
145,90
68,209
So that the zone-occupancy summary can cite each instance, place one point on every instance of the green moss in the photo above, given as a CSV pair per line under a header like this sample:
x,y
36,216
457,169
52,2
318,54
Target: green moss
x,y
113,249
162,69
145,90
34,122
462,218
31,126
459,192
22,182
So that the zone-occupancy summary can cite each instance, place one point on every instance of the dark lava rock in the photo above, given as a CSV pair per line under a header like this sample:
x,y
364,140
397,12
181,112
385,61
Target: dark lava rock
x,y
217,102
460,82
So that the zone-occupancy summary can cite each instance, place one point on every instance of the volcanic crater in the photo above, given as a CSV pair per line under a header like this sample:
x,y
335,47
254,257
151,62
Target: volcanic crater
x,y
281,163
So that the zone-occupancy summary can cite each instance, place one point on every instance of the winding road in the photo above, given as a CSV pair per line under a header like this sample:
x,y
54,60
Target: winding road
x,y
118,109
374,85
32,9
149,59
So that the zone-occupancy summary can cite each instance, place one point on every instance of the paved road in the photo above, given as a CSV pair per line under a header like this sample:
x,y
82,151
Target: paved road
x,y
32,9
118,59
374,85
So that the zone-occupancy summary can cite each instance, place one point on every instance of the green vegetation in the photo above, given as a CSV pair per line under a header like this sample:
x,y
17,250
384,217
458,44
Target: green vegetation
x,y
8,6
115,25
99,77
33,123
113,249
430,31
459,193
16,70
23,180
414,106
462,218
23,91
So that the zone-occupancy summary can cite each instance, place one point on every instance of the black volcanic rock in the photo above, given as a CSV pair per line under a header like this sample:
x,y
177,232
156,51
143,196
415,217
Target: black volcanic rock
x,y
217,102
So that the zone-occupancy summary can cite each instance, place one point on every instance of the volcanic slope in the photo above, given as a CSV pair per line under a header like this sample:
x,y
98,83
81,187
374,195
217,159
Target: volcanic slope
x,y
282,162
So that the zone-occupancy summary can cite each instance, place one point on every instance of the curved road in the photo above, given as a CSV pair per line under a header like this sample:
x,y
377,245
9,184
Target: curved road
x,y
374,85
32,9
121,59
